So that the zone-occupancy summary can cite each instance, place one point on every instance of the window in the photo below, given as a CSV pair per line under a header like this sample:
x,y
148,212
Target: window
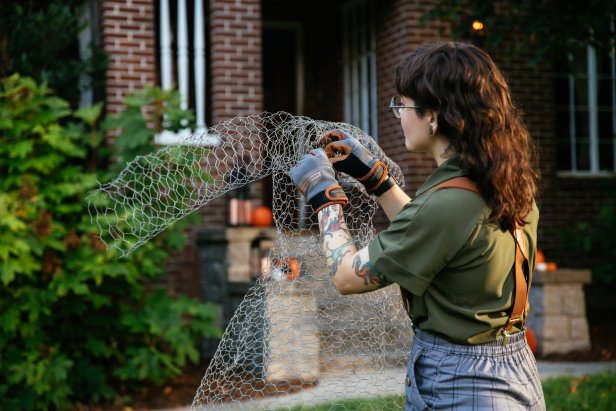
x,y
182,59
586,113
359,59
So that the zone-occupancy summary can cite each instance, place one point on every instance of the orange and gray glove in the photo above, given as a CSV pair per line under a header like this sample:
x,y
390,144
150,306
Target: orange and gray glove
x,y
348,155
314,176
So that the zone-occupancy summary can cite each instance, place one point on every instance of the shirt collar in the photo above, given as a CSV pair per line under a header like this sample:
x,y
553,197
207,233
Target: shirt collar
x,y
449,169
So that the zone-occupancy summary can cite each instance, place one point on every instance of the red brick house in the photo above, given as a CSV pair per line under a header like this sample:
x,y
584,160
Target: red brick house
x,y
334,60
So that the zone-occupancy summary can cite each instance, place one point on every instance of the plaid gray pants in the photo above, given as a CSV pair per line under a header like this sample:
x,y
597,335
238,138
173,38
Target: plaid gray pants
x,y
446,376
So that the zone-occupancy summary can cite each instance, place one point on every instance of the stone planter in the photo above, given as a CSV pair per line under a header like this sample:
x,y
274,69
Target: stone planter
x,y
558,311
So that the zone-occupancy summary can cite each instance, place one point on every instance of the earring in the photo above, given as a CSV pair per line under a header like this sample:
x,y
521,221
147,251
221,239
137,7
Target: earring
x,y
431,130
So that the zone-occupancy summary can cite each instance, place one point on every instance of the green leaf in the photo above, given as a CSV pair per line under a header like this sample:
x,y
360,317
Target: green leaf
x,y
21,149
90,115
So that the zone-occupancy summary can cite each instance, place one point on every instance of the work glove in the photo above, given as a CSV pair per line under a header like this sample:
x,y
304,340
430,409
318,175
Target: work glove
x,y
348,155
314,176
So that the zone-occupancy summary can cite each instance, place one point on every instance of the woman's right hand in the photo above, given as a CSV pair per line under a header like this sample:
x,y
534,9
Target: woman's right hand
x,y
348,155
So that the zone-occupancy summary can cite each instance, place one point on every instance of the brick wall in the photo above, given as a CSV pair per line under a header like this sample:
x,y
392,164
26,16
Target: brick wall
x,y
235,54
129,38
399,33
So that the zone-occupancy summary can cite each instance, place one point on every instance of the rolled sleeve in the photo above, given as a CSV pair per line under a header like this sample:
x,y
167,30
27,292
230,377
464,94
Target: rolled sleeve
x,y
393,271
420,241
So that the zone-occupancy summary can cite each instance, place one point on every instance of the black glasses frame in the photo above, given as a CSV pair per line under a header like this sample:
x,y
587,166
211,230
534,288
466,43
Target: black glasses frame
x,y
396,107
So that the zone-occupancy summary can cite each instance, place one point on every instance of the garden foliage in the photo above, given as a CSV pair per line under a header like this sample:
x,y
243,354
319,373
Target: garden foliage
x,y
78,324
595,243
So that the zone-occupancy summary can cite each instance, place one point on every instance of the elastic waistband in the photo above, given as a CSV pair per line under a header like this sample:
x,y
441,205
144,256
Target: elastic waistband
x,y
515,343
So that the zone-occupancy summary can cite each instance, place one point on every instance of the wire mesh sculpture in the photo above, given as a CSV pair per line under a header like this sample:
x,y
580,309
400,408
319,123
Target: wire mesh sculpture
x,y
293,341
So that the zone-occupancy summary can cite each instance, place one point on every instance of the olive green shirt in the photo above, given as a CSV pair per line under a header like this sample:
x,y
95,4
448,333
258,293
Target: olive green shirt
x,y
458,266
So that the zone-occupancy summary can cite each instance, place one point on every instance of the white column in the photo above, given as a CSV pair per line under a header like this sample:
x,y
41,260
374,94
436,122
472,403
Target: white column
x,y
183,53
572,123
165,46
199,65
593,109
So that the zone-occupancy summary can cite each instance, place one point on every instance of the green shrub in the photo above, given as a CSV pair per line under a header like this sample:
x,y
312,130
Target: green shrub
x,y
77,324
595,241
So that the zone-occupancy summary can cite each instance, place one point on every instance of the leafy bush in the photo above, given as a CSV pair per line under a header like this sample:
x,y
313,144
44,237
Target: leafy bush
x,y
77,324
595,241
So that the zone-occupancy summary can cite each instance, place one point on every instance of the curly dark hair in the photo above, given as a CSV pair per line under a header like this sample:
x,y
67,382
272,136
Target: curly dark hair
x,y
470,95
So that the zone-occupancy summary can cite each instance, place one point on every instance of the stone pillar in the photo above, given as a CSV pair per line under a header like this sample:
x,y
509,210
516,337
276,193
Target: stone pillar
x,y
293,340
239,264
558,311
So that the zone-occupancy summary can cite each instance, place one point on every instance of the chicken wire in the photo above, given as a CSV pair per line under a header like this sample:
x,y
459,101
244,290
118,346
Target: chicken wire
x,y
294,342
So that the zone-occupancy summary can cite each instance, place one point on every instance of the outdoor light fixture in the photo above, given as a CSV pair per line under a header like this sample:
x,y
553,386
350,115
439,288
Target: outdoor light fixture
x,y
477,25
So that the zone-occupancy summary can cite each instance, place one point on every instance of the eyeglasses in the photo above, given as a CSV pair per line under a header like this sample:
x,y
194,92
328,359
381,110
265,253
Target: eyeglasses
x,y
396,105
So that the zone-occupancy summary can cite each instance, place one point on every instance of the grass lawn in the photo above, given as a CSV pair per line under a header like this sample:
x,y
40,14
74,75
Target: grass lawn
x,y
594,392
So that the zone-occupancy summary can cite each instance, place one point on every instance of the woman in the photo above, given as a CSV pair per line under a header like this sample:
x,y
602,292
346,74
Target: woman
x,y
460,253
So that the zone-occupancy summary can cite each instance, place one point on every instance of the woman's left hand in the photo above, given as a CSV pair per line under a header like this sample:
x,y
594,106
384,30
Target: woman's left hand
x,y
315,177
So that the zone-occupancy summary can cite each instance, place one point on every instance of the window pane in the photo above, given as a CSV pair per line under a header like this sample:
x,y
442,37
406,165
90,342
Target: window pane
x,y
606,140
606,155
582,139
582,148
563,153
605,93
581,92
563,140
562,92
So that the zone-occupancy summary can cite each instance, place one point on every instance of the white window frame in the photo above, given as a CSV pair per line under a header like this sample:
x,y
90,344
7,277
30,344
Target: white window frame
x,y
593,117
180,59
359,60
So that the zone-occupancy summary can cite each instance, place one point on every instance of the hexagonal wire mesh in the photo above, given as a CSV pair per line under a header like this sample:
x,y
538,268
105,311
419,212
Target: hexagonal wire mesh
x,y
292,341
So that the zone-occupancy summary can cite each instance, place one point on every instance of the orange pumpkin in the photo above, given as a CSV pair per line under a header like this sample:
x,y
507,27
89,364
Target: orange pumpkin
x,y
294,271
532,340
539,258
262,217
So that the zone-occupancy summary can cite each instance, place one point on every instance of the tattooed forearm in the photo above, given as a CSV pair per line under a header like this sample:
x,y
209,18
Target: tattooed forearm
x,y
369,273
336,255
331,221
349,268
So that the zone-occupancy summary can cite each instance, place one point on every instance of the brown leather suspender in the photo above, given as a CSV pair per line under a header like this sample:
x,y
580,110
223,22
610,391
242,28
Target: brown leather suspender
x,y
522,273
522,267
